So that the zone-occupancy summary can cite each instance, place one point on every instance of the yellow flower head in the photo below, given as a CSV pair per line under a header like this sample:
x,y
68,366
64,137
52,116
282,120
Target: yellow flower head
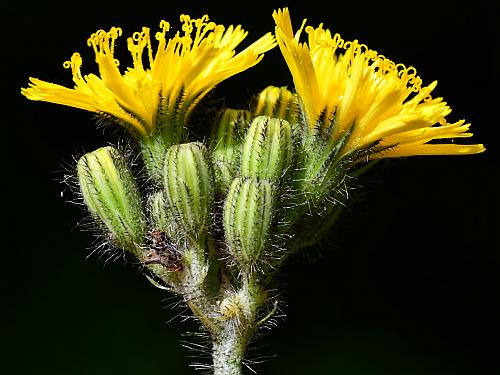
x,y
177,75
364,99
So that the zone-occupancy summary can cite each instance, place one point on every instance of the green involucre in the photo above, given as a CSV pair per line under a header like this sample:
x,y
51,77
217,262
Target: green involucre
x,y
111,195
248,217
189,188
162,218
267,149
225,145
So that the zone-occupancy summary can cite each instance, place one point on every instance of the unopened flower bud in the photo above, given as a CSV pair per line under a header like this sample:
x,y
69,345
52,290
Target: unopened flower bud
x,y
111,195
226,145
248,214
188,187
267,149
162,218
277,102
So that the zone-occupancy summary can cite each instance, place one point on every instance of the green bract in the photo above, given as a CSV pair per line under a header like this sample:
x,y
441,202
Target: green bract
x,y
111,195
248,217
188,185
225,145
267,149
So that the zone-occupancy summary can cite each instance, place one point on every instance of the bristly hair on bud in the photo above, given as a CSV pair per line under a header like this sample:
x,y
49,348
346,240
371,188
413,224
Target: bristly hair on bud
x,y
162,219
267,149
188,186
225,146
112,197
248,219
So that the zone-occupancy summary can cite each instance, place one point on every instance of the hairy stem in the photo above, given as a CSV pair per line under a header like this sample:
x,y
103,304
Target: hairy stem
x,y
231,341
227,308
228,350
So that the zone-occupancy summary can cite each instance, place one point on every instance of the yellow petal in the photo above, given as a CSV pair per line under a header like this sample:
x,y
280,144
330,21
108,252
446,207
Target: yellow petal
x,y
362,93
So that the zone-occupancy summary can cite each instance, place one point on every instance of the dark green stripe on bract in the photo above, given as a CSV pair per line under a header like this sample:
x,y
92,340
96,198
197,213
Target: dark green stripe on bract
x,y
248,213
267,149
111,195
162,217
188,187
225,145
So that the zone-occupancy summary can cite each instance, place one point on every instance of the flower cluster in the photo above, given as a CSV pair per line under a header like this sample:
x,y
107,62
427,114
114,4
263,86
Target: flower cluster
x,y
214,216
343,86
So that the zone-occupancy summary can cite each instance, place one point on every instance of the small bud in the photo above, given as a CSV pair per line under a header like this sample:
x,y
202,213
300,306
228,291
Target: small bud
x,y
226,145
188,187
267,149
162,218
277,102
231,307
247,219
111,195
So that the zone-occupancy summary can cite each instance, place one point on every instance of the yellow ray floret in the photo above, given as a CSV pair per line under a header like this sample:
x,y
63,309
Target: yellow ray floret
x,y
347,89
177,75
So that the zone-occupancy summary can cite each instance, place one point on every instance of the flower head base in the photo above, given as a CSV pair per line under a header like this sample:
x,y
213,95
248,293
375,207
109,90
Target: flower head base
x,y
364,100
144,98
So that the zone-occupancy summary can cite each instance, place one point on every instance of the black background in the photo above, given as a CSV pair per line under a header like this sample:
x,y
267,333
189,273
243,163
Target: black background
x,y
407,283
